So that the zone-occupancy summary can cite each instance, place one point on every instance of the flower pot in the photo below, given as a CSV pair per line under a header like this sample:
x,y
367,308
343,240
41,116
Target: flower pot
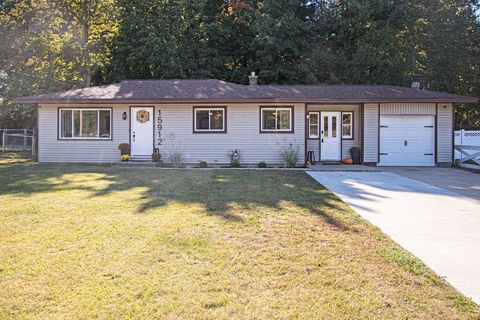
x,y
356,157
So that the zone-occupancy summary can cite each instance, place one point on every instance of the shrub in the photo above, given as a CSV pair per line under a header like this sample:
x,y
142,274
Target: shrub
x,y
124,148
262,164
125,157
235,164
203,164
156,156
290,156
354,149
176,158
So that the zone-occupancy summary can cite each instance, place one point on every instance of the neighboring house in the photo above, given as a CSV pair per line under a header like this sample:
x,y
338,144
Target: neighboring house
x,y
207,119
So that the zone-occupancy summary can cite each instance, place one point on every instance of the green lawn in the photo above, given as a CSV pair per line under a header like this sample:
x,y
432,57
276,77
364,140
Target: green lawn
x,y
81,242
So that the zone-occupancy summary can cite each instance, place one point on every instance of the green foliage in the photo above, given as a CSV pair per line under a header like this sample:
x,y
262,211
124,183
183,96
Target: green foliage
x,y
262,164
65,44
355,149
176,158
203,164
235,164
50,46
290,156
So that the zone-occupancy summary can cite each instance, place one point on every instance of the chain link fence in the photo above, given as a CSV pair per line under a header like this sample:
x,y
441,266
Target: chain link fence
x,y
17,140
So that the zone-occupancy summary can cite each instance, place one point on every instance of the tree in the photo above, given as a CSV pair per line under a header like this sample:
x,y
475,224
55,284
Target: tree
x,y
49,46
362,41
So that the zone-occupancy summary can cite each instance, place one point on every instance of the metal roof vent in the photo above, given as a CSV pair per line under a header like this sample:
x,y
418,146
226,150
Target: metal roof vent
x,y
252,79
416,82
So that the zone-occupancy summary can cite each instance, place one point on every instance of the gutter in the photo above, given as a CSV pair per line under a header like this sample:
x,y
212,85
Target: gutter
x,y
33,100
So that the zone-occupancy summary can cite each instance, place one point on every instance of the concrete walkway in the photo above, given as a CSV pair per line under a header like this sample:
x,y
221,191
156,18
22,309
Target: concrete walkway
x,y
439,226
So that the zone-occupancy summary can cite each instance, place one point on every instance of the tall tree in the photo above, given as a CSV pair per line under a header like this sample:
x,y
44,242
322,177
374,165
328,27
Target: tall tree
x,y
362,41
49,46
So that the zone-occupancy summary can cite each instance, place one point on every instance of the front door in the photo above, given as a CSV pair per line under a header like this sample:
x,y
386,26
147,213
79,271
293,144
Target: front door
x,y
141,131
331,135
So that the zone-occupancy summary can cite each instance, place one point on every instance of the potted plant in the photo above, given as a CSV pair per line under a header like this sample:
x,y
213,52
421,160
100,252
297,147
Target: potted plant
x,y
355,152
124,157
124,148
156,156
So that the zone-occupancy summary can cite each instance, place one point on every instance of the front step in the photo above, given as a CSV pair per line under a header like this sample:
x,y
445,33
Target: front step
x,y
141,159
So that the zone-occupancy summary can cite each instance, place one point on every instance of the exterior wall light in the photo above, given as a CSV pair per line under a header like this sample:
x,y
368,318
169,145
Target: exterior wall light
x,y
124,116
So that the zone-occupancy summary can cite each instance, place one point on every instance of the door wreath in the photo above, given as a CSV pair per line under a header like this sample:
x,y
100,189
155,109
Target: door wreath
x,y
143,116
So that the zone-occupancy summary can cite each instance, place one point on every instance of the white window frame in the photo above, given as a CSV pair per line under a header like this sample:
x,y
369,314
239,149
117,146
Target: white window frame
x,y
224,111
310,136
60,133
262,129
351,125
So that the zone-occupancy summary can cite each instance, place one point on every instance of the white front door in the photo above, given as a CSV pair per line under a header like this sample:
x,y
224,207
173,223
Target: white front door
x,y
141,131
331,135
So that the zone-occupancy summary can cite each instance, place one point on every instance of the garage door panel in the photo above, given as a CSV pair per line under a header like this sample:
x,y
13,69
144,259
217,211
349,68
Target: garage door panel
x,y
413,134
407,140
406,121
406,160
411,149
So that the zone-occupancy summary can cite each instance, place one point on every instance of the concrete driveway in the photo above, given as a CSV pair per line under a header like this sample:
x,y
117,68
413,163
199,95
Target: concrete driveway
x,y
439,226
461,181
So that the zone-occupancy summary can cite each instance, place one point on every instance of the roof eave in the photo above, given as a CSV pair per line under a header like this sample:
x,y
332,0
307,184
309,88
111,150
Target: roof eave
x,y
33,100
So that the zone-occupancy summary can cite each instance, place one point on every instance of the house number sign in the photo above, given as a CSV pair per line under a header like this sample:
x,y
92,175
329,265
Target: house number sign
x,y
159,128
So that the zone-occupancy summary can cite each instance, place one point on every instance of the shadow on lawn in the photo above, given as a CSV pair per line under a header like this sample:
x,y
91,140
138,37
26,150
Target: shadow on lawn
x,y
216,190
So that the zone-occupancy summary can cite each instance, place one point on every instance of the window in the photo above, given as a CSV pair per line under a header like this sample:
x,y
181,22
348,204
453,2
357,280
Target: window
x,y
209,119
85,123
313,118
347,125
276,119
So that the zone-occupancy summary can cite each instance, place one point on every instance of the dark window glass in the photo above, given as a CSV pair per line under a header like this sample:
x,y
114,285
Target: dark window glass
x,y
216,120
104,123
76,123
347,125
334,127
325,126
89,123
283,119
313,133
269,119
66,124
202,121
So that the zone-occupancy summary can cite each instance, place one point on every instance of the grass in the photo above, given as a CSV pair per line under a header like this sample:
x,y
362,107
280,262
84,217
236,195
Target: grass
x,y
82,242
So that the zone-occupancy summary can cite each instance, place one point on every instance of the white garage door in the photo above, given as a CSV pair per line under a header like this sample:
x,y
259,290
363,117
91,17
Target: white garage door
x,y
407,140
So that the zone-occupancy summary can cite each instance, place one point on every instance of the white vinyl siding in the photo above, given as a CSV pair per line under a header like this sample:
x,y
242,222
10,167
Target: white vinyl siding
x,y
52,149
407,109
177,129
243,134
370,137
445,133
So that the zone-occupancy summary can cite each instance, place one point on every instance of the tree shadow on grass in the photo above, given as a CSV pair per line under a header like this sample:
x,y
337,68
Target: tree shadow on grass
x,y
219,192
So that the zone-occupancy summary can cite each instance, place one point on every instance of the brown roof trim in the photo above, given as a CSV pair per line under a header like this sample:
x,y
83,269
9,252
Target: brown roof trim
x,y
32,100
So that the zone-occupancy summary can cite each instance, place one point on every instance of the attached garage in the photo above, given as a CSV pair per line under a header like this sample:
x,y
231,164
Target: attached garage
x,y
407,140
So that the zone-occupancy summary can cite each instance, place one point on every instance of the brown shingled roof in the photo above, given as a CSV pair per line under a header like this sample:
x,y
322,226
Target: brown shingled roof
x,y
215,91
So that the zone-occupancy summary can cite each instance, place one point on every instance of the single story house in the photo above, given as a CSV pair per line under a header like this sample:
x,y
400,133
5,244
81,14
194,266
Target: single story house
x,y
208,119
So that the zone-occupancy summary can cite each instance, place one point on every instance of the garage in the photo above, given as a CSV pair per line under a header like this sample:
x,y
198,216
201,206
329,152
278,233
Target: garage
x,y
407,140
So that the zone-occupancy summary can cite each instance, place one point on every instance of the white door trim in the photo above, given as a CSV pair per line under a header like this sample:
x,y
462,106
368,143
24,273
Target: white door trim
x,y
141,142
329,144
